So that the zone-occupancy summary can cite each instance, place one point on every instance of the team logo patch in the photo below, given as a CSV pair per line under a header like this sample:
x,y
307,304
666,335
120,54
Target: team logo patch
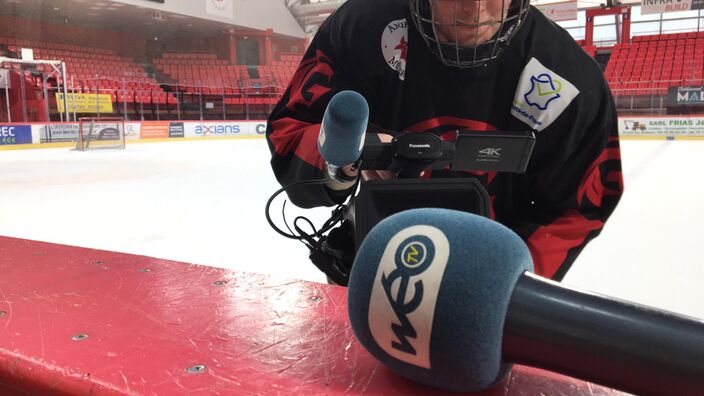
x,y
541,96
394,46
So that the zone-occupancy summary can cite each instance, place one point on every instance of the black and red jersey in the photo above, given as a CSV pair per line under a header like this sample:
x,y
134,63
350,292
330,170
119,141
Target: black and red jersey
x,y
543,81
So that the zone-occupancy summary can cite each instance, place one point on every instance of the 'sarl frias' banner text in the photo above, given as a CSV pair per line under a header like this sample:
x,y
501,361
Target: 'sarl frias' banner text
x,y
661,126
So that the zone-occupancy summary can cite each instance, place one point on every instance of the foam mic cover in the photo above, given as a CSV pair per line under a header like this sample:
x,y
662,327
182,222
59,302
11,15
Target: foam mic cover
x,y
343,128
428,296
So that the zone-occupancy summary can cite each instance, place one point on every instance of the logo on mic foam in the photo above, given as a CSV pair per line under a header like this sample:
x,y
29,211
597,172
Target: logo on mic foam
x,y
405,292
321,136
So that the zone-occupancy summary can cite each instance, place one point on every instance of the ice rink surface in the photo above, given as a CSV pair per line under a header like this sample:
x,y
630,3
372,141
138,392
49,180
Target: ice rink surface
x,y
203,202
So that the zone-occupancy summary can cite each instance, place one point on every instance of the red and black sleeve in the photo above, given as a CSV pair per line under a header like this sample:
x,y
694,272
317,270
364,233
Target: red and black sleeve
x,y
570,204
294,124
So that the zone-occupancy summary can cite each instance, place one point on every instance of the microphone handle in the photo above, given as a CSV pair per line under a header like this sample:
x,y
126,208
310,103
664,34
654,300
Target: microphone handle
x,y
336,173
603,340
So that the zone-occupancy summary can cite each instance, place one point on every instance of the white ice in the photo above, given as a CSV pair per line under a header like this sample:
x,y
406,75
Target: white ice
x,y
203,202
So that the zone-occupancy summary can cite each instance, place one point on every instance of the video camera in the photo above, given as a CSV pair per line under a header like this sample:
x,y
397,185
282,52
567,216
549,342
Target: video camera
x,y
409,154
347,137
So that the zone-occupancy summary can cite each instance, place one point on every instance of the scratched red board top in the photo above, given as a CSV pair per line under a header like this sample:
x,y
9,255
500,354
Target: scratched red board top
x,y
90,322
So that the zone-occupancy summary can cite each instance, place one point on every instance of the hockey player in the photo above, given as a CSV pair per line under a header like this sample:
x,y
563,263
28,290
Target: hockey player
x,y
443,65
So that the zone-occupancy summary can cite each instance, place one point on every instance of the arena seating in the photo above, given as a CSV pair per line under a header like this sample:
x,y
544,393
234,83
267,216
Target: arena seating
x,y
95,70
191,72
589,49
281,71
101,70
650,64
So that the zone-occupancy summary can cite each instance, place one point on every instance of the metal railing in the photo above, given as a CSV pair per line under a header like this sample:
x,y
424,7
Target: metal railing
x,y
137,100
168,101
653,99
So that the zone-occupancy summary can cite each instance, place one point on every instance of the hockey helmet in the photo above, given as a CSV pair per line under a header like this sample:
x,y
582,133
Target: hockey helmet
x,y
468,33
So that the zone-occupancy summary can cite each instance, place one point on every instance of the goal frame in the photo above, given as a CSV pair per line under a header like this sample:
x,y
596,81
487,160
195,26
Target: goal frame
x,y
82,144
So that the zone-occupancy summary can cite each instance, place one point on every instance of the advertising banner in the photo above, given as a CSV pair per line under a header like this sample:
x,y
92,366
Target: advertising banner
x,y
685,96
662,6
85,103
15,134
176,130
224,128
54,133
258,128
104,130
566,11
132,130
155,130
64,132
661,126
211,129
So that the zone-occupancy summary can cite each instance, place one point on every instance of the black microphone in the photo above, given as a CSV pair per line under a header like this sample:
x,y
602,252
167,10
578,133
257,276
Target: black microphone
x,y
601,339
342,131
444,298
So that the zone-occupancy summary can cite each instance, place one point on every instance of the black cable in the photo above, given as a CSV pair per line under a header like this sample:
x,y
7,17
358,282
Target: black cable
x,y
335,218
276,194
334,266
283,216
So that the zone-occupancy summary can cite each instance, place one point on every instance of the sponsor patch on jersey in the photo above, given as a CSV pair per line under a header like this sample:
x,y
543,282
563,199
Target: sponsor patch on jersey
x,y
541,96
394,46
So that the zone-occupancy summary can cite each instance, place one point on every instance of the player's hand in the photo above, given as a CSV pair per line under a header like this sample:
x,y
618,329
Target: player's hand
x,y
377,175
351,171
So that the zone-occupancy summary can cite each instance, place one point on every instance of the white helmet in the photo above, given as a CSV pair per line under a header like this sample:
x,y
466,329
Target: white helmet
x,y
450,51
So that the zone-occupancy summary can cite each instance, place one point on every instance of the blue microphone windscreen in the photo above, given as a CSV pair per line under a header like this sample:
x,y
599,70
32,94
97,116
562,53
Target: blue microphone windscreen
x,y
429,292
342,130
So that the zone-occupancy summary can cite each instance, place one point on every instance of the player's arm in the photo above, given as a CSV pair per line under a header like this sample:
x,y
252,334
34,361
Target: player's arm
x,y
567,206
294,124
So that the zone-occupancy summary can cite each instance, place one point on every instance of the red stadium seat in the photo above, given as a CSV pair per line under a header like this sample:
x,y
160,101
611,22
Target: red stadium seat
x,y
654,62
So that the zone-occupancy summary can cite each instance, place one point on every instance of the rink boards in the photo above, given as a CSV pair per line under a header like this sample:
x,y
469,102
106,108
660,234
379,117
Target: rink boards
x,y
28,135
90,322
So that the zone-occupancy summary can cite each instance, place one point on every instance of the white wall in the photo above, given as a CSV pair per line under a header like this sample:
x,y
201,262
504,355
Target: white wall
x,y
252,14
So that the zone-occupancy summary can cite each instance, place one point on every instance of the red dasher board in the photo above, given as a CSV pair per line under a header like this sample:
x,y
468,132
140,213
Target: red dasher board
x,y
90,322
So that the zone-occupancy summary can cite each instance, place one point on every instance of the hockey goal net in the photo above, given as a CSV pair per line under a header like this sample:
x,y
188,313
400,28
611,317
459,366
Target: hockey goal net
x,y
100,133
